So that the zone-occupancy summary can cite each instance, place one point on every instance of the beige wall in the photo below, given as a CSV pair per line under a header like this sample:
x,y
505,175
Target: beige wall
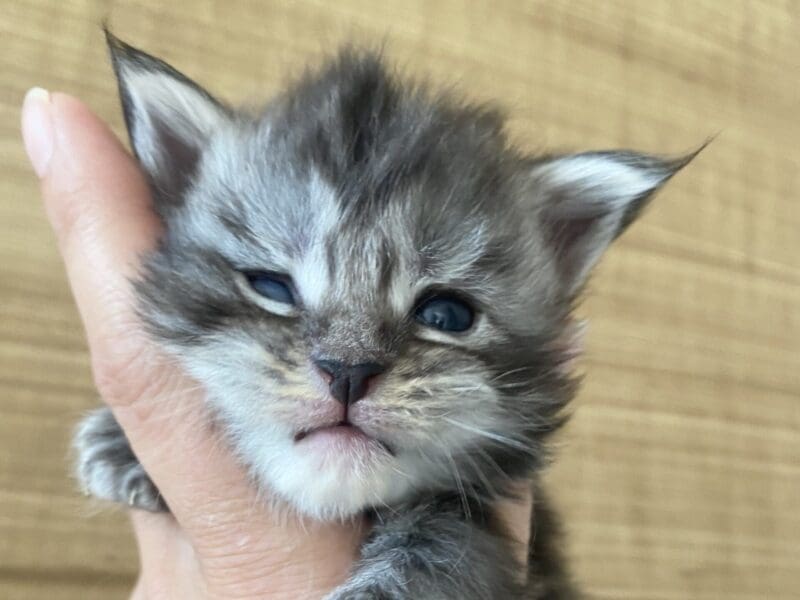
x,y
679,475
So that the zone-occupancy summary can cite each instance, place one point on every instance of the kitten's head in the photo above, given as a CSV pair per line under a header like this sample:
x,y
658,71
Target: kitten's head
x,y
373,286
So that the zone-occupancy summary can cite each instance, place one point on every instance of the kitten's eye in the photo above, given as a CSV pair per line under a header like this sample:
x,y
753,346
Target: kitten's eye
x,y
445,313
271,285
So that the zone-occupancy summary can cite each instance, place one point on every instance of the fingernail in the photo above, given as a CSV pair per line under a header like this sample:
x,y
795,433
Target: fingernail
x,y
37,129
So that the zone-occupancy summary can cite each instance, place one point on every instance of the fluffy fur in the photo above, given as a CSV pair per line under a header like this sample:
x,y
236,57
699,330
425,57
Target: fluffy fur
x,y
371,193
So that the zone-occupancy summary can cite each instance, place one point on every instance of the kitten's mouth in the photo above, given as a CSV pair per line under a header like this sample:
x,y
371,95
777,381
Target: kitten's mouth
x,y
343,431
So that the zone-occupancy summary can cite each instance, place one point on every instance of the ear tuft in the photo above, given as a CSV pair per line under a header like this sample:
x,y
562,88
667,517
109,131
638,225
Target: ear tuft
x,y
170,119
586,200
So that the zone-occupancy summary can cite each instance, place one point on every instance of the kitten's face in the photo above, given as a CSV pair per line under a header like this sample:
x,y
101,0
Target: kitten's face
x,y
354,224
358,274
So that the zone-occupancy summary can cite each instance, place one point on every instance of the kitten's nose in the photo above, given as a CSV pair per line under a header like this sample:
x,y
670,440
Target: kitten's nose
x,y
349,383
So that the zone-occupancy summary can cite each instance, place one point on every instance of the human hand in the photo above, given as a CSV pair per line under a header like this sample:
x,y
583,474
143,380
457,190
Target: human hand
x,y
221,540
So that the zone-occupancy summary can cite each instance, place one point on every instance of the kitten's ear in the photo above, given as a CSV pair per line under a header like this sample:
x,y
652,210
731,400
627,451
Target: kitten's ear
x,y
169,118
584,201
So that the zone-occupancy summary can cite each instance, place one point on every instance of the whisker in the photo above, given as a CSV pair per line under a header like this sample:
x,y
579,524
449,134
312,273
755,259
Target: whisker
x,y
480,474
496,437
510,372
492,462
459,483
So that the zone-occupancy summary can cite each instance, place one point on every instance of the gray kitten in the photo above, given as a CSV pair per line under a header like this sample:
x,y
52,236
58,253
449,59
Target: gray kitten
x,y
375,289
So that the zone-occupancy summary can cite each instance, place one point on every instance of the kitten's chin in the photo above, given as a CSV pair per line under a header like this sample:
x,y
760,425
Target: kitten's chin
x,y
335,473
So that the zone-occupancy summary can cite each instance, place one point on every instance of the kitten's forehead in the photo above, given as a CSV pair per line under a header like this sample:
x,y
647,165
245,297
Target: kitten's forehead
x,y
366,195
385,254
310,262
346,243
352,260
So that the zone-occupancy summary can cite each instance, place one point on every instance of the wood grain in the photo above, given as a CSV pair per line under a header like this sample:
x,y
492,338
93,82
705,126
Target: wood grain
x,y
679,474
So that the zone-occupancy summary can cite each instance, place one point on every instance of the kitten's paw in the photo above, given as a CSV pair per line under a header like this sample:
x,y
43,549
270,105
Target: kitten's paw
x,y
108,469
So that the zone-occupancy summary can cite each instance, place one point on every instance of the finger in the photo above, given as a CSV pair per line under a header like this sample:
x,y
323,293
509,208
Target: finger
x,y
169,566
297,563
99,206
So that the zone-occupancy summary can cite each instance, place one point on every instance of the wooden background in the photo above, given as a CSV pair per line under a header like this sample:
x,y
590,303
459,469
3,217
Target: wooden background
x,y
679,476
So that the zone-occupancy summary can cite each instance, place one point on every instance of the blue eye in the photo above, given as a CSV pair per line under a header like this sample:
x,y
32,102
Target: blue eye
x,y
445,313
271,285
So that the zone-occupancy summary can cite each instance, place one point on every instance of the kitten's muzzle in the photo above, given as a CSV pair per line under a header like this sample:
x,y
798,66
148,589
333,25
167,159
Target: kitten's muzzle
x,y
349,383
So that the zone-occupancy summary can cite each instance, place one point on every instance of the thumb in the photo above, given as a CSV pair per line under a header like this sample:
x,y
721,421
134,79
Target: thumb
x,y
99,205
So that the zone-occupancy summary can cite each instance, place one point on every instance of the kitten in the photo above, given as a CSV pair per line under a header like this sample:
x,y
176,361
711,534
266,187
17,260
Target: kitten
x,y
375,289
